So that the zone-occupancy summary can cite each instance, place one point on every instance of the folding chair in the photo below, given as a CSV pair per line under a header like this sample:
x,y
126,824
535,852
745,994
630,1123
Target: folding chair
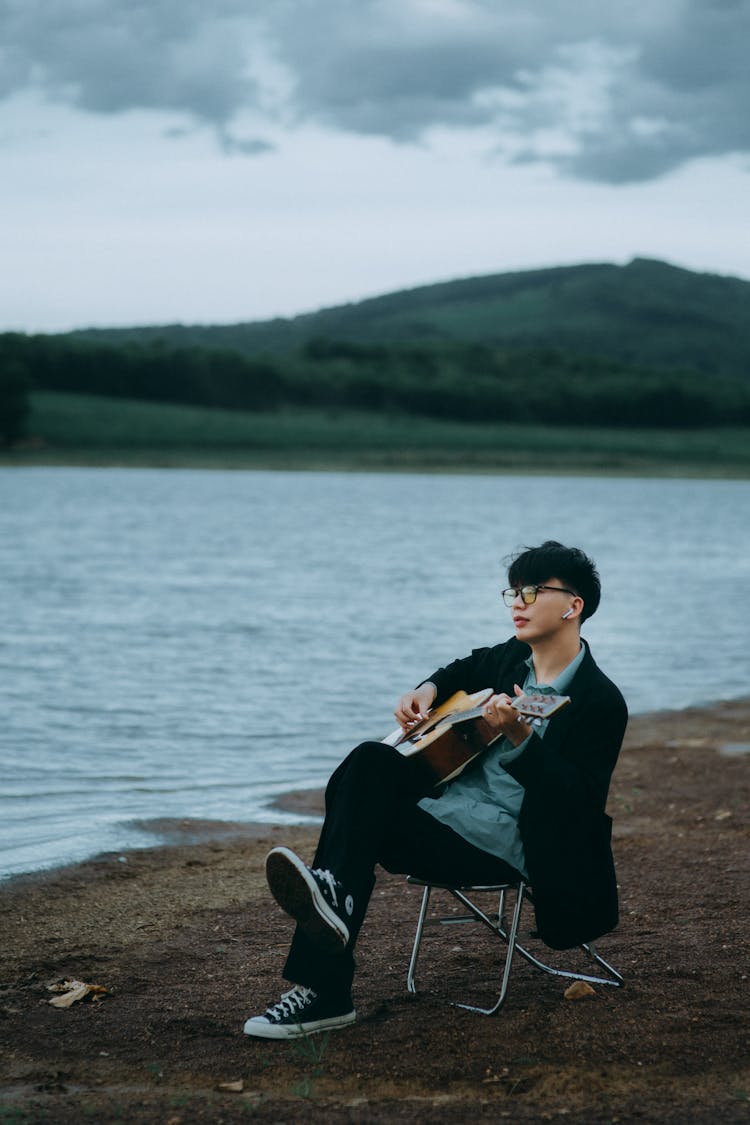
x,y
508,934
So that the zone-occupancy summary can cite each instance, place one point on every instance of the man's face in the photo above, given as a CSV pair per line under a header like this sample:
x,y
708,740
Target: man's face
x,y
544,618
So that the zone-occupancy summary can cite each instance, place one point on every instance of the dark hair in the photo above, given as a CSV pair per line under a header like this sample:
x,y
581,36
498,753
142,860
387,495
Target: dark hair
x,y
535,565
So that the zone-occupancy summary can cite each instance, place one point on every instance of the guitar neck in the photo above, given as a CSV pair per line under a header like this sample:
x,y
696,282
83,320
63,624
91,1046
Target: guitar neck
x,y
530,707
461,708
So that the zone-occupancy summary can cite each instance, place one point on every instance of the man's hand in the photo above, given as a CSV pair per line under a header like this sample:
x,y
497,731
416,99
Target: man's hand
x,y
504,719
413,706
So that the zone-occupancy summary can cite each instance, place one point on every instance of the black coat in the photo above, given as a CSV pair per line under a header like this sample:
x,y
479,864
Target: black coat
x,y
564,827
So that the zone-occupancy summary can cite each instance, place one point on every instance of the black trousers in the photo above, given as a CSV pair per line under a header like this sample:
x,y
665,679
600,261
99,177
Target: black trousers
x,y
372,818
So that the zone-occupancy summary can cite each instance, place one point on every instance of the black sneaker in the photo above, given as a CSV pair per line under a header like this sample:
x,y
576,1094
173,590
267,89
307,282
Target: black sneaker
x,y
315,899
300,1012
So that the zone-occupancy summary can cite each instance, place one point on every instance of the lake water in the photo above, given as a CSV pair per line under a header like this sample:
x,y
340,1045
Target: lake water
x,y
192,644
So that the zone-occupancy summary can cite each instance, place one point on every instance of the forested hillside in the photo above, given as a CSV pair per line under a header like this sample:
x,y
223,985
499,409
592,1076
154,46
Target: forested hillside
x,y
464,382
645,345
646,313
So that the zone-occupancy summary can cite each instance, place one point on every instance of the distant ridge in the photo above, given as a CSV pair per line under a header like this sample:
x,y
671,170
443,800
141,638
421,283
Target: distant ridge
x,y
645,346
645,313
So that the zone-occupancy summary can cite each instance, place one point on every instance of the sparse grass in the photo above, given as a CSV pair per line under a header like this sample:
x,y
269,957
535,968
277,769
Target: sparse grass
x,y
81,429
312,1049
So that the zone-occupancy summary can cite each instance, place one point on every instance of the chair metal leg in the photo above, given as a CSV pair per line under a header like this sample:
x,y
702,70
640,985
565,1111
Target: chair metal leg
x,y
616,980
410,982
511,943
507,934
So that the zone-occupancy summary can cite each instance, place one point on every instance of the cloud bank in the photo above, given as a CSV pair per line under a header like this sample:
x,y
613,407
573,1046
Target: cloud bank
x,y
605,95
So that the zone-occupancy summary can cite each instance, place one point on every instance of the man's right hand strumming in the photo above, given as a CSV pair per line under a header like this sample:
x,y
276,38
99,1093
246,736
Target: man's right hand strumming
x,y
413,705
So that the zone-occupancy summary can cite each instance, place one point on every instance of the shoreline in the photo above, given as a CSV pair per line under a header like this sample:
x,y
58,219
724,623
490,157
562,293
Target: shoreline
x,y
637,467
308,803
187,944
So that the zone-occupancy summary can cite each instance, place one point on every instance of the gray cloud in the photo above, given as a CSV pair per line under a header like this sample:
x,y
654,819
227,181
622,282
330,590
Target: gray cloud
x,y
111,56
614,96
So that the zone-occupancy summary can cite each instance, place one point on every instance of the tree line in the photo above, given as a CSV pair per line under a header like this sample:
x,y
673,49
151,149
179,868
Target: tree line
x,y
469,382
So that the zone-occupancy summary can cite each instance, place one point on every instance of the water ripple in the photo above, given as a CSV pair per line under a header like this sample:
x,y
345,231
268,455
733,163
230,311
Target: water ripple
x,y
191,644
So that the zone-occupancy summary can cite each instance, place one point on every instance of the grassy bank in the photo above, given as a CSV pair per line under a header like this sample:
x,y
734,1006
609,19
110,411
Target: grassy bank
x,y
79,429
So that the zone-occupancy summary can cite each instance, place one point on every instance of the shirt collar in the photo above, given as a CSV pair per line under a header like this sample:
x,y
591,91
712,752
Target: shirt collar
x,y
560,683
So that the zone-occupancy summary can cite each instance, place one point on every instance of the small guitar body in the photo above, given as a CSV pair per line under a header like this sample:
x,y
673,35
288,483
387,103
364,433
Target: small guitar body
x,y
456,732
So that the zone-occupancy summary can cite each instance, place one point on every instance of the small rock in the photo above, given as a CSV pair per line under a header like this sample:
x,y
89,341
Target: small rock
x,y
578,990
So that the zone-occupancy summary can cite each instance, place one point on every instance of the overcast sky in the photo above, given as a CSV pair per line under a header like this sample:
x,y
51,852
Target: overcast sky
x,y
209,161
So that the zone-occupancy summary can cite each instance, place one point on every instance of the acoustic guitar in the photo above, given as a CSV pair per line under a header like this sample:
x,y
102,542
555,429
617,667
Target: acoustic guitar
x,y
456,732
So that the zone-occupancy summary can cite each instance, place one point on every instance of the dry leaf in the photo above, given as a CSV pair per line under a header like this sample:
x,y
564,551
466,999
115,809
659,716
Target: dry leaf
x,y
578,990
69,998
63,985
232,1087
73,990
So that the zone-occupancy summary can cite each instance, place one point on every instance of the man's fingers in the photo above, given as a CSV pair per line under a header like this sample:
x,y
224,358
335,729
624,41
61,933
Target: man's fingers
x,y
407,712
496,703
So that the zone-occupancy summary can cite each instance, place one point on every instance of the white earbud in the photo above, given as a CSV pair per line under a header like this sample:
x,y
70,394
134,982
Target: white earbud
x,y
565,616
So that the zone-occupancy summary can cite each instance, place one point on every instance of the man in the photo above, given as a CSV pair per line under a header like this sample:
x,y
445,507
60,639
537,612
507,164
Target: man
x,y
532,804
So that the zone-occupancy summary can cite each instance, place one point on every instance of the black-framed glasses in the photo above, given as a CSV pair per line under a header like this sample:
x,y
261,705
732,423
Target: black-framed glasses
x,y
529,593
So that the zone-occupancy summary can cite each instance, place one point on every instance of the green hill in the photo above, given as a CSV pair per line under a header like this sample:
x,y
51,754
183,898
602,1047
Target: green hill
x,y
645,314
642,346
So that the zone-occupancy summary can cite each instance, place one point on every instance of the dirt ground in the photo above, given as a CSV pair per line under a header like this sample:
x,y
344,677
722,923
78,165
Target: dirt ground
x,y
187,943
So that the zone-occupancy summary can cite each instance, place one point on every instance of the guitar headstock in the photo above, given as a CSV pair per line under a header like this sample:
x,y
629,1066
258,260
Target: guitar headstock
x,y
534,707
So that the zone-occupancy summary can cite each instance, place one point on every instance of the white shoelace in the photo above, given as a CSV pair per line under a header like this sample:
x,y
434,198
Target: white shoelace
x,y
327,877
291,1002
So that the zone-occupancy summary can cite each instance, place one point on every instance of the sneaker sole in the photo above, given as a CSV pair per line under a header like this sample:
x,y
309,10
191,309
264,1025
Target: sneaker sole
x,y
297,893
260,1029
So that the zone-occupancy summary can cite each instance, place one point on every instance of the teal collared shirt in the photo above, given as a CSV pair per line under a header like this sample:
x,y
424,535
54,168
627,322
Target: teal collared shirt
x,y
483,803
